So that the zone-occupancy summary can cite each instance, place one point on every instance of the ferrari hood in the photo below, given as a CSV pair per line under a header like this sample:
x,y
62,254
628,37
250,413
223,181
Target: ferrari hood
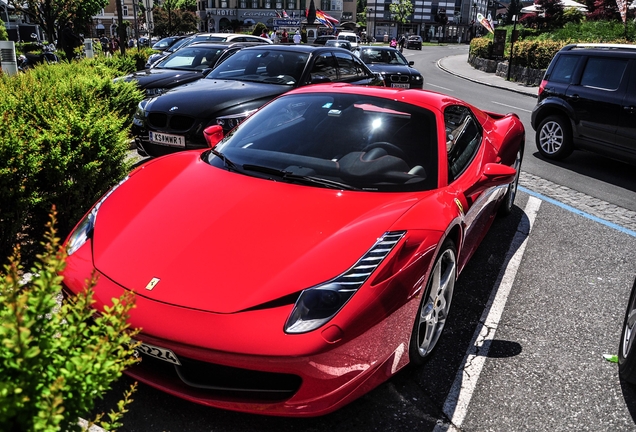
x,y
204,97
182,232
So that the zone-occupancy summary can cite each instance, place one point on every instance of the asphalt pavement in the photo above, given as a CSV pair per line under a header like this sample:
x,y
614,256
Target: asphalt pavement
x,y
458,65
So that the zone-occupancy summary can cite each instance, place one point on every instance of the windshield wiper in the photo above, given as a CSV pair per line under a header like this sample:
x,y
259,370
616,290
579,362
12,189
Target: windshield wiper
x,y
231,166
290,176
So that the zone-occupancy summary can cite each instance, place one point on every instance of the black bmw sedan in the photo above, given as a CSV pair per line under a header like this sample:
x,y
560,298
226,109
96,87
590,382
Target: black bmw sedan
x,y
188,64
240,84
391,63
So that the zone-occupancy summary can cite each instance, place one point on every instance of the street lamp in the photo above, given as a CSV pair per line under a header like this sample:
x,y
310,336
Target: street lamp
x,y
472,28
371,35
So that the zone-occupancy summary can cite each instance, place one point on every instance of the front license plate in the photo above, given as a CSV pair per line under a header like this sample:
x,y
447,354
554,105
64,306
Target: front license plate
x,y
167,139
400,85
159,353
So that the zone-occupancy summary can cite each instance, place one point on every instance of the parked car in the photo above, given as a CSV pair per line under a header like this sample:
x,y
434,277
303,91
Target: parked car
x,y
309,255
394,67
166,42
414,42
185,65
321,40
205,37
242,83
353,38
587,100
627,345
340,44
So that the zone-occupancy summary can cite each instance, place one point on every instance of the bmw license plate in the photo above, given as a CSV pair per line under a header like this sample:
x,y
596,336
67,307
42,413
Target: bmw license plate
x,y
159,353
400,85
167,139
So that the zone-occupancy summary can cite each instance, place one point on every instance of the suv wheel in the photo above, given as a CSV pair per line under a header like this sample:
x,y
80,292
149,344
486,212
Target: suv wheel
x,y
554,138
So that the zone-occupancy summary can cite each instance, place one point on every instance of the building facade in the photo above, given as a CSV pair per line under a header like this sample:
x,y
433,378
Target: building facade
x,y
105,23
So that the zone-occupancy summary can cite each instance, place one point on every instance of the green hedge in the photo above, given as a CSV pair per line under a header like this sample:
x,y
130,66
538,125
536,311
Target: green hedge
x,y
63,141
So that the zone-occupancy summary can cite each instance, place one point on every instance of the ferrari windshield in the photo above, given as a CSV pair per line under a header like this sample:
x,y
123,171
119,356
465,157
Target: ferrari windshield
x,y
342,141
262,65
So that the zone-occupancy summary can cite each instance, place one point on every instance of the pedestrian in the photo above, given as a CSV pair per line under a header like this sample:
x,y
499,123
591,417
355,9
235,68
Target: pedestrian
x,y
297,37
401,43
284,37
104,43
70,40
393,43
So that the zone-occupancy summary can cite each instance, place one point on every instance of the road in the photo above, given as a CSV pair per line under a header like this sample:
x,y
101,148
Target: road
x,y
533,313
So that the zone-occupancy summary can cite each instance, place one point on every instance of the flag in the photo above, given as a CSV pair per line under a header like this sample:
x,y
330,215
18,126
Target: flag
x,y
327,17
622,8
278,15
484,22
285,14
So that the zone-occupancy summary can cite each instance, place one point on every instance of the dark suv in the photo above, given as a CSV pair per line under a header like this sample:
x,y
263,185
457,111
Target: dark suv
x,y
587,100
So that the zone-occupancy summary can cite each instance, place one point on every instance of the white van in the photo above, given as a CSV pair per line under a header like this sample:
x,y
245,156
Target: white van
x,y
351,37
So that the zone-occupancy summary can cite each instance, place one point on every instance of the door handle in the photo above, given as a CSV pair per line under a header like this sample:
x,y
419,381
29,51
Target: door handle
x,y
630,109
575,97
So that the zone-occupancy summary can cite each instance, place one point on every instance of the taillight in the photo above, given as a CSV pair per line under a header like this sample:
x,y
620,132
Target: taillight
x,y
542,86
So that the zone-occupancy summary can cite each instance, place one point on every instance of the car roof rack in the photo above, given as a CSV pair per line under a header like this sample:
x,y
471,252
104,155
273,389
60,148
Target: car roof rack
x,y
600,46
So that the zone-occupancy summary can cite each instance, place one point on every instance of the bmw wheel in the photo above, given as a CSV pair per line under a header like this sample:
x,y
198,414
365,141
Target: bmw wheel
x,y
435,304
511,193
554,138
627,346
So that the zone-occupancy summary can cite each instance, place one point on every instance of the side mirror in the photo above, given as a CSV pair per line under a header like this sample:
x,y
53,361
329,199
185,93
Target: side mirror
x,y
493,175
411,63
213,135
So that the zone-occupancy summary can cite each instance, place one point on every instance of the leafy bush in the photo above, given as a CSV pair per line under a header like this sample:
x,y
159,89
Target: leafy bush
x,y
57,358
535,54
63,141
481,47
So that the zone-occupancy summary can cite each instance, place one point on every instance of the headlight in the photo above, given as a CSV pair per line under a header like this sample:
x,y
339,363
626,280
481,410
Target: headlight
x,y
84,229
417,78
229,122
140,113
155,91
317,305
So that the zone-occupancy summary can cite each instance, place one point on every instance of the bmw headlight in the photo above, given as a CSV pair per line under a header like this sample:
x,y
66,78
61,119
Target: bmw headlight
x,y
156,91
84,230
229,122
417,78
140,113
317,305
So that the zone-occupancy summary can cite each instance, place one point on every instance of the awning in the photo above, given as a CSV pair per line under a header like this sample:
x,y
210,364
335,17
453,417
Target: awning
x,y
567,4
99,27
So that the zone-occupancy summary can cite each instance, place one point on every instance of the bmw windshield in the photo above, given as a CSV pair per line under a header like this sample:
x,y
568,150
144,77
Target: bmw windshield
x,y
262,65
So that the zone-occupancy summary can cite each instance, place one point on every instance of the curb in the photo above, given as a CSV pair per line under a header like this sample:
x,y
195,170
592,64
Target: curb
x,y
445,69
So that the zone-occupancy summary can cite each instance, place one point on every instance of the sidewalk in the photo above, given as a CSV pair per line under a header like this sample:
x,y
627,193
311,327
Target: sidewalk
x,y
458,65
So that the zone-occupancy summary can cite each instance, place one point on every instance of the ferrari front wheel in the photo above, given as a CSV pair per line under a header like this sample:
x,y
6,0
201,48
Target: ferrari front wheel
x,y
435,304
627,346
511,193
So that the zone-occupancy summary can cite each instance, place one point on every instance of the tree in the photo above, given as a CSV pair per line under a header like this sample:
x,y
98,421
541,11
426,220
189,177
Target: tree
x,y
170,21
552,14
3,32
401,11
603,10
51,15
513,9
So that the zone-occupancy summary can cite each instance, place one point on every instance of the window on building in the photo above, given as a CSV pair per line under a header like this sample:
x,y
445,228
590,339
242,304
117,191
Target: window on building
x,y
254,4
125,10
243,4
224,4
279,4
291,5
268,4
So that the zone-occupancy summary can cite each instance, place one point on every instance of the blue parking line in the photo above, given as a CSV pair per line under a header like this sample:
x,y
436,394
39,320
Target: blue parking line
x,y
579,212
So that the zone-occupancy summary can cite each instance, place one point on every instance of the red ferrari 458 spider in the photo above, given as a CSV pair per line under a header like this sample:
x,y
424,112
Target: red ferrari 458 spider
x,y
307,256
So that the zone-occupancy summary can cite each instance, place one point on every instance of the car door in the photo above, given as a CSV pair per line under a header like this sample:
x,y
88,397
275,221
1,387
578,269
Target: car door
x,y
352,70
464,137
597,101
626,130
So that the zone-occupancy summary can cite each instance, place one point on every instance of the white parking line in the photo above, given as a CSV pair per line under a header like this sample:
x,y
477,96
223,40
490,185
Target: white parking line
x,y
458,399
443,88
511,106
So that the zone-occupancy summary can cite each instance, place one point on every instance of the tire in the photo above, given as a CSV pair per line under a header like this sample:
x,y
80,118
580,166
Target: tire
x,y
435,304
627,345
554,138
509,199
